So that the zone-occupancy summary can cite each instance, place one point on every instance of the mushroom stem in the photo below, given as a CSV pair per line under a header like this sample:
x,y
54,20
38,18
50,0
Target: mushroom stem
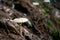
x,y
20,29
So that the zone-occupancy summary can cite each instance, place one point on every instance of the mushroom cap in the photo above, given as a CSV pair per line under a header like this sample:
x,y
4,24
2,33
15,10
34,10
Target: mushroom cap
x,y
46,0
20,20
57,14
35,3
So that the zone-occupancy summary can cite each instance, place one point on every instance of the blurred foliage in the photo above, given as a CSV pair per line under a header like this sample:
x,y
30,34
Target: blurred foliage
x,y
49,22
33,0
55,34
45,11
52,2
58,21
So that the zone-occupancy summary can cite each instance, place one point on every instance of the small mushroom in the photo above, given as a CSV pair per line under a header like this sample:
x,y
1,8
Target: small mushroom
x,y
46,0
35,3
57,14
20,21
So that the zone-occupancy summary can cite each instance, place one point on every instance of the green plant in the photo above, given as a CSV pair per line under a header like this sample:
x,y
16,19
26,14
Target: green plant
x,y
55,34
45,10
33,0
52,2
58,21
49,23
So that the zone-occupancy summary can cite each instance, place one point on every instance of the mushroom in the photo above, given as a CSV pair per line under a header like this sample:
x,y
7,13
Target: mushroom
x,y
20,21
57,14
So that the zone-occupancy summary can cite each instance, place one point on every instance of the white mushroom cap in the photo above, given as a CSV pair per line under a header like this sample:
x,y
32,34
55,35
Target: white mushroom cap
x,y
46,0
35,3
57,14
20,20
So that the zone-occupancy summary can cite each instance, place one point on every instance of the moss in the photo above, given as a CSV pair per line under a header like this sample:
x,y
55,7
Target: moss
x,y
45,10
52,2
58,21
49,23
55,34
33,0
